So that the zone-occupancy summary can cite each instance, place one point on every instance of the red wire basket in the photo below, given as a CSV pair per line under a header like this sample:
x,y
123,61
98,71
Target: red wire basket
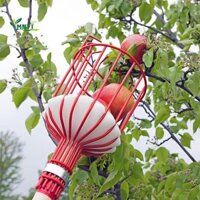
x,y
78,120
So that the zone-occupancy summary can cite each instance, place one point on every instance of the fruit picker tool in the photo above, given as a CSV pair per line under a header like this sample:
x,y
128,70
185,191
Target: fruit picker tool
x,y
81,123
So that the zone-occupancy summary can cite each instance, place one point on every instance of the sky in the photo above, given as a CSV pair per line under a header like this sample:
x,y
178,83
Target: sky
x,y
61,19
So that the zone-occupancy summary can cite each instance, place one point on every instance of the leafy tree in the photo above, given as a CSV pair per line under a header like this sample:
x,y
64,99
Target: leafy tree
x,y
171,106
10,157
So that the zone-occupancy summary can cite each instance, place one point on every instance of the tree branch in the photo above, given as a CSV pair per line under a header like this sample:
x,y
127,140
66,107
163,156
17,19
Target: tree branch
x,y
185,110
167,128
30,13
10,18
161,143
170,35
25,59
169,32
178,84
160,32
28,67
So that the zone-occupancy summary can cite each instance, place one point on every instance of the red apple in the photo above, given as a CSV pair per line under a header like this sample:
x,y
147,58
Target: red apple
x,y
136,45
106,96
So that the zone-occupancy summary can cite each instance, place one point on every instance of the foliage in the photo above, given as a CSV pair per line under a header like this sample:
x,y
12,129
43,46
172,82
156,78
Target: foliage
x,y
171,106
10,157
164,178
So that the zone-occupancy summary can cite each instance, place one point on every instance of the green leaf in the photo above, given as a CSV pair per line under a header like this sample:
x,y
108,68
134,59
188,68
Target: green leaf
x,y
161,63
111,8
103,71
137,171
2,2
12,23
77,178
162,154
163,56
50,156
187,42
148,58
175,74
186,139
1,21
118,3
94,5
159,133
138,154
89,28
158,23
103,5
49,2
130,125
138,132
193,83
67,54
132,49
94,173
194,193
72,41
125,8
42,10
145,12
137,174
170,184
118,157
162,115
196,123
21,93
47,95
153,2
124,190
3,38
36,61
84,160
18,20
180,194
24,3
35,109
4,48
146,123
112,179
107,198
3,85
32,121
148,154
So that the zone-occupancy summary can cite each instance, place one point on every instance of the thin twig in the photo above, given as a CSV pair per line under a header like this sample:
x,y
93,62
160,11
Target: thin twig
x,y
167,128
17,49
161,143
166,140
185,110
